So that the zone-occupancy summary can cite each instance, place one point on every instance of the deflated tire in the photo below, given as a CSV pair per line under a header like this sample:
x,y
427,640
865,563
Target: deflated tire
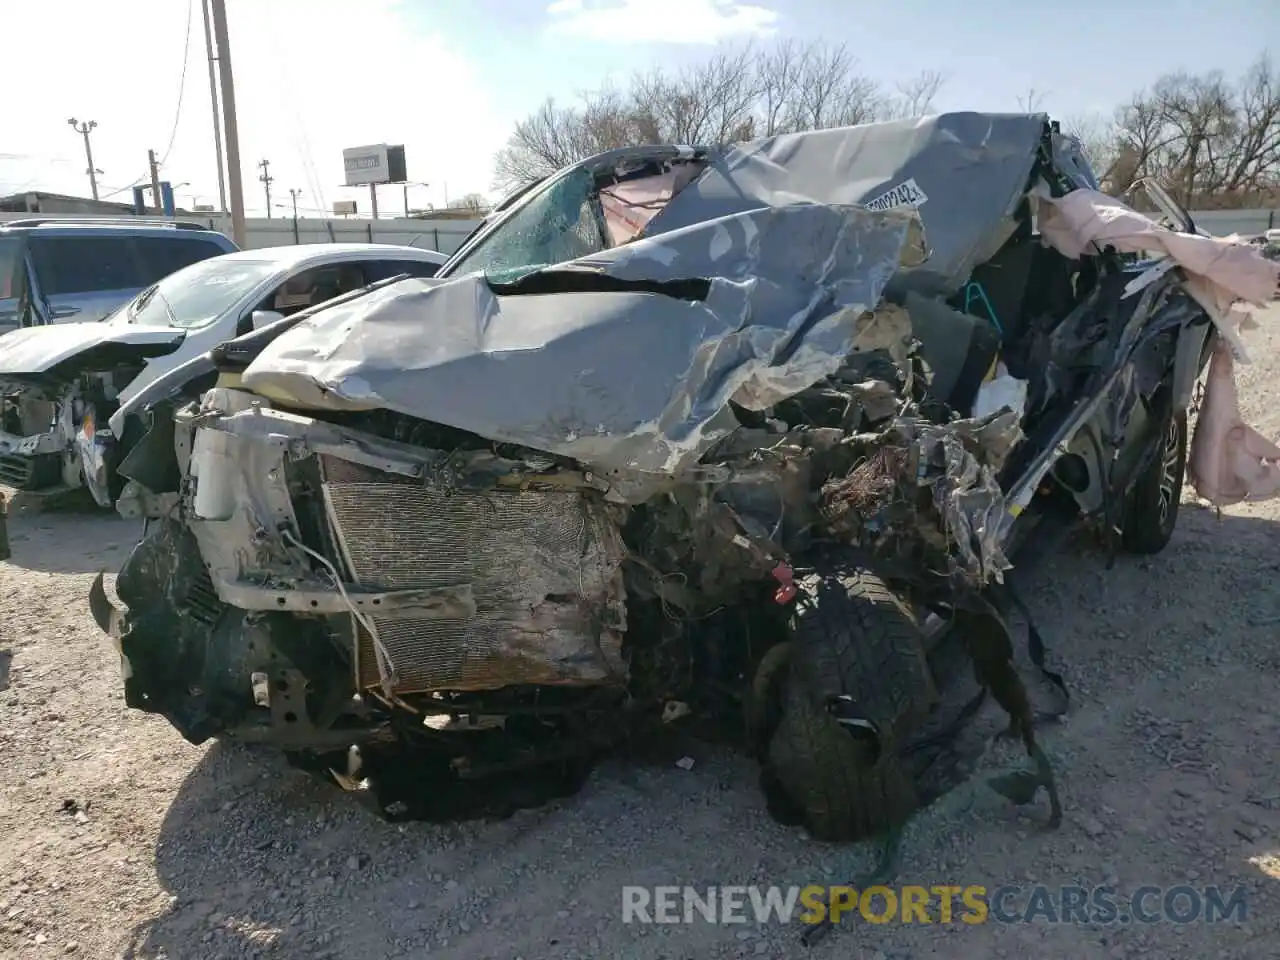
x,y
858,684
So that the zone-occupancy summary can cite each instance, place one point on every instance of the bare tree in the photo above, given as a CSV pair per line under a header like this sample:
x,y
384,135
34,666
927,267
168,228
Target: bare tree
x,y
1210,141
1031,101
1099,141
915,96
710,103
737,94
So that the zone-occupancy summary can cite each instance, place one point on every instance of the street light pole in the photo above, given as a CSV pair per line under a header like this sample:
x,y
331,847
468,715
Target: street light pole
x,y
83,129
407,185
218,10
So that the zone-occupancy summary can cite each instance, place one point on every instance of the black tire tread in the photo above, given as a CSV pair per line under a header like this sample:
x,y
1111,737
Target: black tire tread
x,y
762,701
854,637
843,792
858,638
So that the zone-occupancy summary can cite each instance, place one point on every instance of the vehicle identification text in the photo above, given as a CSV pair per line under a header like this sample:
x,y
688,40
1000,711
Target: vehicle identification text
x,y
905,194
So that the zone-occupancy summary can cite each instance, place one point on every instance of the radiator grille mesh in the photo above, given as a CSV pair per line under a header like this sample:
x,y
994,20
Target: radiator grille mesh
x,y
544,568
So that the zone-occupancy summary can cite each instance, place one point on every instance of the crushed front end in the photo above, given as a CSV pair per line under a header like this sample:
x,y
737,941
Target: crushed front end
x,y
342,594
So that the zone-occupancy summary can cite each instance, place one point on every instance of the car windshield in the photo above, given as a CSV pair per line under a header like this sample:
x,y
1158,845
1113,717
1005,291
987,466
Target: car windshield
x,y
561,223
197,295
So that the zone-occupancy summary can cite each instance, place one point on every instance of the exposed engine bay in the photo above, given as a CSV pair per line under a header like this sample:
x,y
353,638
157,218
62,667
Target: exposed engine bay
x,y
50,426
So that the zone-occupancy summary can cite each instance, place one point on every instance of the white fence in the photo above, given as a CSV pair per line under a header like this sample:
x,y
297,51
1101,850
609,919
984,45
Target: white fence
x,y
443,235
447,235
1247,223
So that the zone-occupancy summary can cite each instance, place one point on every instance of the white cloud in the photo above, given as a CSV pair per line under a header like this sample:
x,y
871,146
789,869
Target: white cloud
x,y
661,21
311,77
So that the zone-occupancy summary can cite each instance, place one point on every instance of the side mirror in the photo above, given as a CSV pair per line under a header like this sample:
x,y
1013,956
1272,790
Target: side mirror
x,y
261,318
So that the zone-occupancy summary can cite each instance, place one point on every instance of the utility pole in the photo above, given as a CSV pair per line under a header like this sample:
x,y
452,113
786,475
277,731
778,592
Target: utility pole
x,y
83,129
294,193
266,179
213,98
406,194
155,181
218,9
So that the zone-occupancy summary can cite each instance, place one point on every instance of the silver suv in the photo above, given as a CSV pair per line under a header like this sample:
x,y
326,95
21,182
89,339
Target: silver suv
x,y
54,270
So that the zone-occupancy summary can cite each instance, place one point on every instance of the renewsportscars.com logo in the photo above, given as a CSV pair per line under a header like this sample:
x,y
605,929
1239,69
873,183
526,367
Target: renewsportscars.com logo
x,y
944,903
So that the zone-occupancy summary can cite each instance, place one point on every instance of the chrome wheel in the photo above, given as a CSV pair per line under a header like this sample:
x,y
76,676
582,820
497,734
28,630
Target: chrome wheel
x,y
1169,472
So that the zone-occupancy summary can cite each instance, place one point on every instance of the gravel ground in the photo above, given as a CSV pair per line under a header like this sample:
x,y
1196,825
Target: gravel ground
x,y
123,840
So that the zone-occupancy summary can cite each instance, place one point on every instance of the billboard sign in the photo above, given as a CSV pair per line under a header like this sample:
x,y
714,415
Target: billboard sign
x,y
376,163
344,208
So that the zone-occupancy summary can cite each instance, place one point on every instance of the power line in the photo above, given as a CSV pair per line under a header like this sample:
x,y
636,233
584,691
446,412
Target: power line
x,y
137,182
177,115
182,83
285,80
22,157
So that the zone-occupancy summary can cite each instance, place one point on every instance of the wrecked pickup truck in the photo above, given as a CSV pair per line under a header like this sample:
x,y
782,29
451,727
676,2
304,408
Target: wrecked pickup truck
x,y
683,432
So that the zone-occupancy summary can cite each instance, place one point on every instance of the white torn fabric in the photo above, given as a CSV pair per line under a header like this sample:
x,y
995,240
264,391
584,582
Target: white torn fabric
x,y
1003,391
1230,461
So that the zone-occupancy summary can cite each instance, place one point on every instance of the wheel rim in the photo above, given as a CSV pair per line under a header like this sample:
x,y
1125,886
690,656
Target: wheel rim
x,y
1169,471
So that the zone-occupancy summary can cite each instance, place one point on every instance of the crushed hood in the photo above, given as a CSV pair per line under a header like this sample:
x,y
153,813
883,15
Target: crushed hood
x,y
633,367
43,355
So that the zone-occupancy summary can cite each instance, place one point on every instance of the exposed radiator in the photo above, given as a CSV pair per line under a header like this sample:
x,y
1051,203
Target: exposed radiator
x,y
31,473
544,569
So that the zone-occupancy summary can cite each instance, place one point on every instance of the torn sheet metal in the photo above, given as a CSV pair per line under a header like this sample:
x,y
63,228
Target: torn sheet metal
x,y
931,488
965,173
618,379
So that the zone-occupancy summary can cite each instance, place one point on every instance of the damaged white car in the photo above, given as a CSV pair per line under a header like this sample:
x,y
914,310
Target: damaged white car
x,y
684,433
82,372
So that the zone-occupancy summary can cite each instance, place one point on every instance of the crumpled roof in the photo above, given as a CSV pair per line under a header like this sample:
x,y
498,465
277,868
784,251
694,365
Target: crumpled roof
x,y
964,172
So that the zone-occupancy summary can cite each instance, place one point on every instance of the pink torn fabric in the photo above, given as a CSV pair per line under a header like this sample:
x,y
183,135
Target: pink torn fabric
x,y
630,205
1229,460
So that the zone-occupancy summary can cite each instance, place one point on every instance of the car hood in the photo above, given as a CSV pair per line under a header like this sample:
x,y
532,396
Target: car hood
x,y
625,360
48,355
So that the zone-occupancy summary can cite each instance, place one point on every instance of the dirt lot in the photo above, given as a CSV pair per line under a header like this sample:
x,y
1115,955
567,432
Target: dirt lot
x,y
1166,762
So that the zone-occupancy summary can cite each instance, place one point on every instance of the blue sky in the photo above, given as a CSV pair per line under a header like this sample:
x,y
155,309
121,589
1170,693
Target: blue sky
x,y
991,54
448,78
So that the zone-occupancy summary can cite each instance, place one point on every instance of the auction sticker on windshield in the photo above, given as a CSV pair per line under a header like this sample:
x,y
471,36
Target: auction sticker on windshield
x,y
905,194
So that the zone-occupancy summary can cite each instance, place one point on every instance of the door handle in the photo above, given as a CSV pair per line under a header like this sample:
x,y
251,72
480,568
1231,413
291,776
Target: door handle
x,y
65,311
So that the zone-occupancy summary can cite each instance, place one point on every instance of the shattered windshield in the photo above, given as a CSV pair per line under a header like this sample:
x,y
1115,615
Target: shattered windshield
x,y
561,223
197,295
